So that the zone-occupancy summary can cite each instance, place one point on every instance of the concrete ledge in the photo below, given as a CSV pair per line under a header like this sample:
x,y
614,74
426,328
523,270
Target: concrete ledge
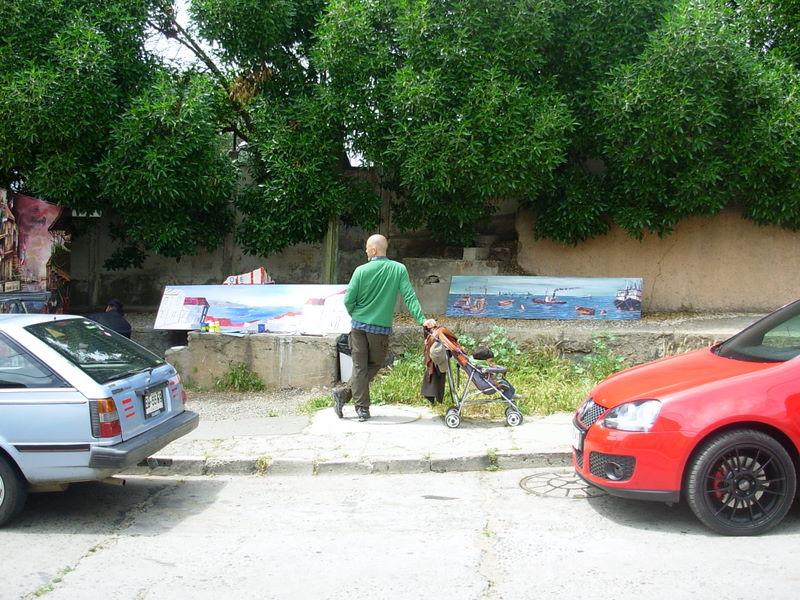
x,y
265,466
401,466
282,361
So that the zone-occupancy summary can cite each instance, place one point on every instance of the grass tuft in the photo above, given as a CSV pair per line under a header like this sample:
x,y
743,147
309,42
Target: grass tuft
x,y
239,378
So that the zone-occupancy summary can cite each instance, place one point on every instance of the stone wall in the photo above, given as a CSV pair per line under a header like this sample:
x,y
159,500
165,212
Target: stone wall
x,y
282,361
721,263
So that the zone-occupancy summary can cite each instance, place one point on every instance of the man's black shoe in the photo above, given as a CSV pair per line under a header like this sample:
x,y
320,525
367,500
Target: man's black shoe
x,y
340,398
363,413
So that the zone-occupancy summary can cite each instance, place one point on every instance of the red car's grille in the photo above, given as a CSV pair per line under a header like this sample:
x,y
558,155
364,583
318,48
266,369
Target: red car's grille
x,y
613,467
590,412
579,458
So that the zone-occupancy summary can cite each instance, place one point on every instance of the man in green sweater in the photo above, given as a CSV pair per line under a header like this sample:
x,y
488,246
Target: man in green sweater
x,y
370,299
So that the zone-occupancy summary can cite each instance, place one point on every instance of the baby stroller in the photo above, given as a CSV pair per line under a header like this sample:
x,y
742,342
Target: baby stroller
x,y
490,385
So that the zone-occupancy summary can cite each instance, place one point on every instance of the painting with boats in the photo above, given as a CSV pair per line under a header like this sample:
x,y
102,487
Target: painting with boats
x,y
538,297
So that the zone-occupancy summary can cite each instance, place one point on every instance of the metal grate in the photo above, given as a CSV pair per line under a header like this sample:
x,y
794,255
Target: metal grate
x,y
590,412
599,464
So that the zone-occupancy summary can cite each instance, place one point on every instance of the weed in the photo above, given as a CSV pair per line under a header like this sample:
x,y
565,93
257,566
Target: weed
x,y
491,454
602,362
262,465
487,532
239,378
316,403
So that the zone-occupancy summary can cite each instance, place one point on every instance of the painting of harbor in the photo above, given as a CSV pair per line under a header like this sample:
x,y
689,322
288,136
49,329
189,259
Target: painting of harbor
x,y
512,297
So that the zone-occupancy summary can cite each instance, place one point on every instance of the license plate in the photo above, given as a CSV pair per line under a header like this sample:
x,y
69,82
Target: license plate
x,y
153,402
577,438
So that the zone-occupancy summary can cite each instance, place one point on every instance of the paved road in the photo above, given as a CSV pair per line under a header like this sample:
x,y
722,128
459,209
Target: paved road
x,y
456,535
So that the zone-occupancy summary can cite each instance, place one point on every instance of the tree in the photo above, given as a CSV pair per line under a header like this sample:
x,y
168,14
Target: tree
x,y
590,112
448,101
701,120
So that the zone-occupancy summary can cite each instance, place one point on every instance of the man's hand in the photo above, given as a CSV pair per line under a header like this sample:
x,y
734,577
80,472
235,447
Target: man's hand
x,y
429,323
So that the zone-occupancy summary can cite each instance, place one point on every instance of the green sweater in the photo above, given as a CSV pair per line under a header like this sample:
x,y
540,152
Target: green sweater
x,y
372,293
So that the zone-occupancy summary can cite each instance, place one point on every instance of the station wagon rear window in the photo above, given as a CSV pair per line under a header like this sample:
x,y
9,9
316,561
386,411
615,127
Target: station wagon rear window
x,y
97,351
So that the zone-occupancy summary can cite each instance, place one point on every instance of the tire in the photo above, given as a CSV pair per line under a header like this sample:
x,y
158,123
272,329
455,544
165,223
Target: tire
x,y
741,483
513,417
451,418
13,491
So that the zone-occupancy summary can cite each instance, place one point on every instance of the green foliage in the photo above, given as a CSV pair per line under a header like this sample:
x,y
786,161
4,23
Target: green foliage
x,y
589,112
298,182
449,99
165,170
601,362
316,403
698,121
239,378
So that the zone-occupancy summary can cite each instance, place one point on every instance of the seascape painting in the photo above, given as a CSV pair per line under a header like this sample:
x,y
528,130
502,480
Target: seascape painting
x,y
536,297
285,309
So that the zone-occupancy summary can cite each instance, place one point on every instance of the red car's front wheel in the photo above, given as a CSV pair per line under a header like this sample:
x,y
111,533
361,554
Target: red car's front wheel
x,y
741,483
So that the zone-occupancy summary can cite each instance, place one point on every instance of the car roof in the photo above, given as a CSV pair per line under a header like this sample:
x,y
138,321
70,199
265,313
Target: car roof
x,y
23,320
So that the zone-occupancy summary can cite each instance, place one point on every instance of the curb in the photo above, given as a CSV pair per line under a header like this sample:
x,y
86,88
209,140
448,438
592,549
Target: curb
x,y
266,466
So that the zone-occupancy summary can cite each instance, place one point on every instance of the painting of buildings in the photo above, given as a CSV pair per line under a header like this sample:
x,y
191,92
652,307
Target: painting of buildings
x,y
34,254
285,309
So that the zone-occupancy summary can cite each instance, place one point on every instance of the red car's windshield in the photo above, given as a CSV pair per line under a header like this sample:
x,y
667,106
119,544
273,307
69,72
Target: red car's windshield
x,y
775,338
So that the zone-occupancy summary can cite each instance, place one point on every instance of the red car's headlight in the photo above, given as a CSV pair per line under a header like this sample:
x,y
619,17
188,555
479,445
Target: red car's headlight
x,y
633,416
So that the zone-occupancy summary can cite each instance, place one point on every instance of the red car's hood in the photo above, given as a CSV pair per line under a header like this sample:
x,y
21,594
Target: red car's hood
x,y
672,375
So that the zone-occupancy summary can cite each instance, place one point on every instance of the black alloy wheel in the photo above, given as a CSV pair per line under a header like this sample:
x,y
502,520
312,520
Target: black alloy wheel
x,y
741,483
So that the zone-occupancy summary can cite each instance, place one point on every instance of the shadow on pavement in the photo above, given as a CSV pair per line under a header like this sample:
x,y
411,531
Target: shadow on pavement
x,y
102,508
679,517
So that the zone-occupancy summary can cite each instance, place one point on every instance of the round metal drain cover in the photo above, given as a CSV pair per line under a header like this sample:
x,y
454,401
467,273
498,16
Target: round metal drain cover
x,y
559,484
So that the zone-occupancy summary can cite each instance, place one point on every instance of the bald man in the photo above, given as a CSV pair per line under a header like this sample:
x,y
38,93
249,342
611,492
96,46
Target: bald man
x,y
370,299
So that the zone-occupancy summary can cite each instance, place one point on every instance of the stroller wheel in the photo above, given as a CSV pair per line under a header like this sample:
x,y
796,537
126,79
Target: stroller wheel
x,y
451,418
513,417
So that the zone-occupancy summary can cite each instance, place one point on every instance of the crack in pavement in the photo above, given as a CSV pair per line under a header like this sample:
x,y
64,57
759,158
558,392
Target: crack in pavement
x,y
125,519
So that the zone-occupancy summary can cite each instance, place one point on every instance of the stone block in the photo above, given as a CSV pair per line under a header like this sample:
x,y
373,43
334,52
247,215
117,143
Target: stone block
x,y
282,361
476,253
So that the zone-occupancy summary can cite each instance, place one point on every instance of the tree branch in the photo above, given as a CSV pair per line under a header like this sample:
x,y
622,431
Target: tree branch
x,y
183,37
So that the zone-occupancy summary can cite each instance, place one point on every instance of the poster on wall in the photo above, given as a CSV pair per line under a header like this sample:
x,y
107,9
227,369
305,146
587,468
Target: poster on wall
x,y
536,297
286,309
34,255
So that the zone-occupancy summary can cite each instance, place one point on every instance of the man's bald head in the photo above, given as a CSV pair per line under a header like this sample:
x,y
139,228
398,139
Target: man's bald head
x,y
377,245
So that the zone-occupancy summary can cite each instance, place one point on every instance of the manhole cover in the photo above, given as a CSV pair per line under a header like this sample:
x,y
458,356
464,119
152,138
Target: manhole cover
x,y
559,484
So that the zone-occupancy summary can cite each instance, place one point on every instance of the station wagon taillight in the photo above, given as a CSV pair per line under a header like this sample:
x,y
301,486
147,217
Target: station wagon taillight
x,y
105,419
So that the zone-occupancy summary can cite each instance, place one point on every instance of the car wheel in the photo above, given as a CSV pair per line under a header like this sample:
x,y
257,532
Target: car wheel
x,y
13,491
741,483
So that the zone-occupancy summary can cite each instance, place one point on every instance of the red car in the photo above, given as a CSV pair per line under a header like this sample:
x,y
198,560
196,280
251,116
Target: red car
x,y
718,427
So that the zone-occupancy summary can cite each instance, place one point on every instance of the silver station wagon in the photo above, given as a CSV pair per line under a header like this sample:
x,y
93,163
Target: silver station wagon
x,y
78,402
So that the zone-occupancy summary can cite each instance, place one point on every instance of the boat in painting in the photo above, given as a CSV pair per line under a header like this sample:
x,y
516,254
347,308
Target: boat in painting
x,y
629,298
550,298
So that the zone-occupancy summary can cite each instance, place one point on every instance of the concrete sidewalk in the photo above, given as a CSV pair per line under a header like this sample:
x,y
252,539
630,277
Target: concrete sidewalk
x,y
397,439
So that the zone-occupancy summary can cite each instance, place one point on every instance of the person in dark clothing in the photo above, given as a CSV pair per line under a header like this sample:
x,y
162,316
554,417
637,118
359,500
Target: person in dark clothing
x,y
114,318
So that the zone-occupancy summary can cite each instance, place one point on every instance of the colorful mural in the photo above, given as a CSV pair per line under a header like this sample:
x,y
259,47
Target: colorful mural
x,y
512,297
288,309
34,254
